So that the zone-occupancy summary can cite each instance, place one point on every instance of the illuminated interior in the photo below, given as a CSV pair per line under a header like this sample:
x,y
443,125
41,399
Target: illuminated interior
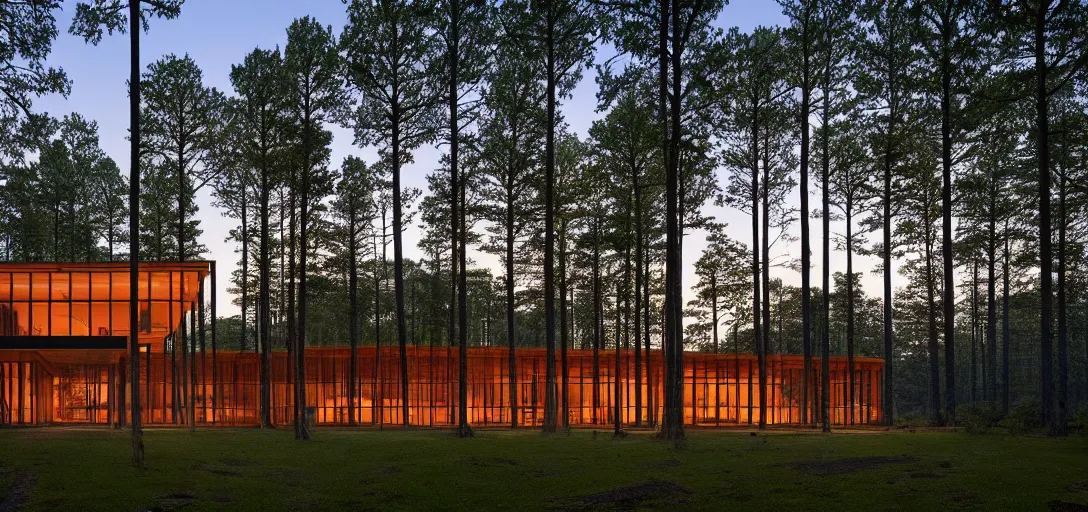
x,y
43,308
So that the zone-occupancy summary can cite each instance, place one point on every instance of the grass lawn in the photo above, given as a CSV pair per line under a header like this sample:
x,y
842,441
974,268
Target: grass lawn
x,y
85,469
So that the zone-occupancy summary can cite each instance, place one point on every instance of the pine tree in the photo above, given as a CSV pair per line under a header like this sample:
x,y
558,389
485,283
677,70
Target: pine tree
x,y
464,29
560,37
511,129
89,21
179,117
628,137
314,74
262,120
354,210
887,61
390,62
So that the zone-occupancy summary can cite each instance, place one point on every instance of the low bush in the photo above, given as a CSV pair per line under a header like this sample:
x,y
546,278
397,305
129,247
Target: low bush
x,y
1079,421
1024,418
979,417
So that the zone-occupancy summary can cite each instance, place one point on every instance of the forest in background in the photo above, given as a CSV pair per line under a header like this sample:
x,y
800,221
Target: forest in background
x,y
945,136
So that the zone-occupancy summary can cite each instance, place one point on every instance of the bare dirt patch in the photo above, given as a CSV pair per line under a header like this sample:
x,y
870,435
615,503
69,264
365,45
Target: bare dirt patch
x,y
960,496
235,463
828,467
1065,506
173,501
492,463
1080,487
667,463
386,470
19,492
629,497
218,470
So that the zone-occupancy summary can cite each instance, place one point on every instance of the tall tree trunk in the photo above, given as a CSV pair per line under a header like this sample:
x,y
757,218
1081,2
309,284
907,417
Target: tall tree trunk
x,y
598,319
513,380
458,220
617,396
245,267
974,334
181,259
462,298
398,255
651,404
379,275
563,339
673,426
290,311
889,354
806,244
825,308
991,298
756,310
1063,327
946,223
134,230
263,304
637,192
714,310
549,232
766,276
1046,258
850,304
353,300
931,331
302,427
663,114
1005,323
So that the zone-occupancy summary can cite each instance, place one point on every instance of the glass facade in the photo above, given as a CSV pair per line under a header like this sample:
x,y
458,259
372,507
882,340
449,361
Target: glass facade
x,y
93,300
43,379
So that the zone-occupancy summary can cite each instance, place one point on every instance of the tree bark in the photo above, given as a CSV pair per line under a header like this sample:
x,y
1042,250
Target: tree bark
x,y
946,224
398,258
637,192
673,426
134,230
302,427
563,339
1046,261
510,304
850,304
825,341
353,299
806,244
931,304
1063,326
991,295
766,276
549,232
1005,324
458,219
756,310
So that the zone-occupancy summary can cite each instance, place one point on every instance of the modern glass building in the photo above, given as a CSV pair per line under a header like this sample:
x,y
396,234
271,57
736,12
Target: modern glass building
x,y
64,334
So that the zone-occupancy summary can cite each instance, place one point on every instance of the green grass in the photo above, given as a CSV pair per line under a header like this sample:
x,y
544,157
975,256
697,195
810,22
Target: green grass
x,y
84,469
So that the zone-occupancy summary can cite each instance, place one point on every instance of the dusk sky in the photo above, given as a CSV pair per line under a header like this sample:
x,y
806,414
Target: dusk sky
x,y
219,33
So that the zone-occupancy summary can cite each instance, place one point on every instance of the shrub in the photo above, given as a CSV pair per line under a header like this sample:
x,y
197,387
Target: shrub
x,y
979,417
1079,421
1024,418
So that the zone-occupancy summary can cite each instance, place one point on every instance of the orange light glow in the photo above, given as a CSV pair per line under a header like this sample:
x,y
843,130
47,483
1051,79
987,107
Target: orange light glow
x,y
718,389
89,385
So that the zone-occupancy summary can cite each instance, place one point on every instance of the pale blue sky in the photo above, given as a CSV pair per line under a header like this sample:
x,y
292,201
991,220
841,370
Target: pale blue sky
x,y
219,33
